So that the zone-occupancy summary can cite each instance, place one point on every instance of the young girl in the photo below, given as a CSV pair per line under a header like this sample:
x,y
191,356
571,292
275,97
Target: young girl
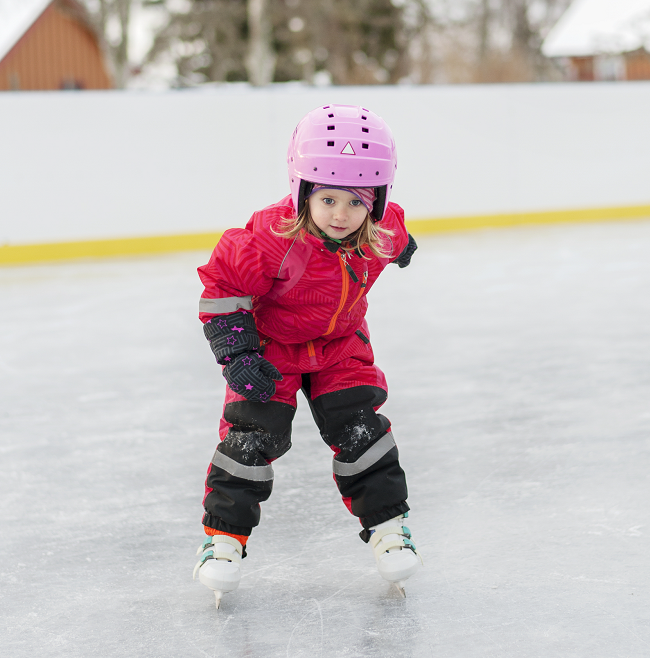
x,y
284,309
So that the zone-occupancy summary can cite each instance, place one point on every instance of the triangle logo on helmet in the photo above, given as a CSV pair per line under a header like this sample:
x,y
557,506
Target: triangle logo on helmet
x,y
348,150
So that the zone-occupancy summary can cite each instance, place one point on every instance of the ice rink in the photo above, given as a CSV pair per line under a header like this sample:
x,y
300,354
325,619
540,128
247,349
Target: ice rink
x,y
519,367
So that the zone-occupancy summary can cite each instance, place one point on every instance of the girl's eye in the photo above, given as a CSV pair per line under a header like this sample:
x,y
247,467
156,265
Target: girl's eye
x,y
329,201
355,202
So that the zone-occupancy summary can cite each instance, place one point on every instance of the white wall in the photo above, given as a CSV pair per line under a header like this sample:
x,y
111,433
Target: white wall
x,y
118,164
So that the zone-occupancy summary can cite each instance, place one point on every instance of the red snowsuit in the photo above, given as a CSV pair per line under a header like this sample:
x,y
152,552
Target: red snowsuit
x,y
309,302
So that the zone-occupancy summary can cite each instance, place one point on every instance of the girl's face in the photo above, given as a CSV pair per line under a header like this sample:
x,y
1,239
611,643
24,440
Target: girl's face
x,y
337,213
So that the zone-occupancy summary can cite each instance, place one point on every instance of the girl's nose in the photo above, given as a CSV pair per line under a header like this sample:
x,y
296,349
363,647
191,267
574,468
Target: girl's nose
x,y
341,212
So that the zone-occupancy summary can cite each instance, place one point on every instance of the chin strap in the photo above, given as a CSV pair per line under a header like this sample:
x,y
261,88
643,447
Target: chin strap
x,y
327,237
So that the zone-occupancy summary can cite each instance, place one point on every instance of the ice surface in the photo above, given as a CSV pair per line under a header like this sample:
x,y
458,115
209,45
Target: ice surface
x,y
519,367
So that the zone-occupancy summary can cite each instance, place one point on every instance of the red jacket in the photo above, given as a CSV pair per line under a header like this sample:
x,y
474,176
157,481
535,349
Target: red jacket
x,y
298,289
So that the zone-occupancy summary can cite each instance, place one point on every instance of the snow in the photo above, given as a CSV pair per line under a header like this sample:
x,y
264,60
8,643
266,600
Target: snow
x,y
16,17
518,366
592,27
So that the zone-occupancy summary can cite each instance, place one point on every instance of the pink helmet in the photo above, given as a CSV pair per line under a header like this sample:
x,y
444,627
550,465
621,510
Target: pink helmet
x,y
342,145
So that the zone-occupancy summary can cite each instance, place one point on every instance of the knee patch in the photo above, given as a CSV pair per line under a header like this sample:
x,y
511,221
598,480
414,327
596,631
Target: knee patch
x,y
347,419
259,432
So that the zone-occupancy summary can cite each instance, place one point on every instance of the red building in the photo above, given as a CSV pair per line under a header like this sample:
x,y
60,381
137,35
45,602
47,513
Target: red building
x,y
602,40
49,45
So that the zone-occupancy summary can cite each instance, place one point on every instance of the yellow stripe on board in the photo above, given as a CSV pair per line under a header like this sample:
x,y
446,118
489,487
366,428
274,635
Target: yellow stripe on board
x,y
447,224
34,253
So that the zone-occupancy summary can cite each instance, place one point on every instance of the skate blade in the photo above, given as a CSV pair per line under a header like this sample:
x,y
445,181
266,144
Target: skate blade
x,y
217,596
400,588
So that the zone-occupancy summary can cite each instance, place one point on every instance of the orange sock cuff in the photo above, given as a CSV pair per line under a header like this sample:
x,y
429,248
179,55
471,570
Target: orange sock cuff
x,y
242,539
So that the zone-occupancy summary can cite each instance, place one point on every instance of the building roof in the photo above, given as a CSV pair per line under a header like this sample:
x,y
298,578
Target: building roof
x,y
592,27
16,17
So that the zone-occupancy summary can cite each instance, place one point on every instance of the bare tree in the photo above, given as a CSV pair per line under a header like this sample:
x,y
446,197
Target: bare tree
x,y
493,40
208,42
361,42
260,60
112,19
529,21
339,41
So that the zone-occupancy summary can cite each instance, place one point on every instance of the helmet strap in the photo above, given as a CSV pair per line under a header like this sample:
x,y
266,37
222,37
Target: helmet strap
x,y
303,192
379,206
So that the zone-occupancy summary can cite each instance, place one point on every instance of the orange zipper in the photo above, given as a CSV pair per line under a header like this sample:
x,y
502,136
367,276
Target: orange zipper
x,y
364,281
344,296
311,352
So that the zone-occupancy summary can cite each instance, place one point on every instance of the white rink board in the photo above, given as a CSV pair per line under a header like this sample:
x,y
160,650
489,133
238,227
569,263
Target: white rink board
x,y
93,165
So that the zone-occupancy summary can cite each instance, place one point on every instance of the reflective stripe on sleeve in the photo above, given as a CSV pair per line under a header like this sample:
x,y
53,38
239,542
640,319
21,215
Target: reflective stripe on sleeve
x,y
225,305
372,455
253,473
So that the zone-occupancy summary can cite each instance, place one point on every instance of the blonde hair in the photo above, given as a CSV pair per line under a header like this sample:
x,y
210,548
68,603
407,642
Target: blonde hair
x,y
368,234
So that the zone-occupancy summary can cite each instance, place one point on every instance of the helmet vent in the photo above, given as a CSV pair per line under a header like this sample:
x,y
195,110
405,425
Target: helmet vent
x,y
376,173
364,130
331,127
330,143
364,118
326,107
331,116
364,146
315,168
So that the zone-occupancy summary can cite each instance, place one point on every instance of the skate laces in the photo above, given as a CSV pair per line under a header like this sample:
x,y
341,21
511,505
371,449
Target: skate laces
x,y
401,539
210,552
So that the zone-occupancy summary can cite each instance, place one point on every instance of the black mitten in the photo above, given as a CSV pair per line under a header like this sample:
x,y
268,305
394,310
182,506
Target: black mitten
x,y
235,343
404,258
251,375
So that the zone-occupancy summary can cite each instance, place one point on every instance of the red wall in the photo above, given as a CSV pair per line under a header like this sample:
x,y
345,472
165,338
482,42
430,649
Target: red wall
x,y
57,52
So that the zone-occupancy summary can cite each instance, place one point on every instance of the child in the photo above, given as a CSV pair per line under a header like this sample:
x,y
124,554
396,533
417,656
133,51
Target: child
x,y
283,309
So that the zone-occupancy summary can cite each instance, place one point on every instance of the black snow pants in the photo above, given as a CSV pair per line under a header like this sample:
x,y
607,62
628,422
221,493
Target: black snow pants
x,y
365,464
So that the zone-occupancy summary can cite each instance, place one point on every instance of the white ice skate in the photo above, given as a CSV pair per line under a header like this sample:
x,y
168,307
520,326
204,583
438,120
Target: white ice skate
x,y
395,553
218,567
